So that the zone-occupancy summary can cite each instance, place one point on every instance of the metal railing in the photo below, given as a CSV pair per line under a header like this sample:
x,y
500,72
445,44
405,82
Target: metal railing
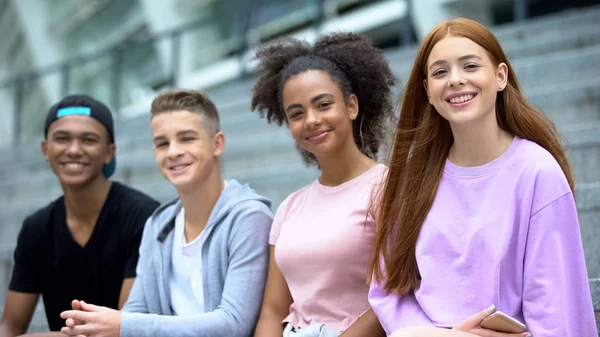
x,y
117,53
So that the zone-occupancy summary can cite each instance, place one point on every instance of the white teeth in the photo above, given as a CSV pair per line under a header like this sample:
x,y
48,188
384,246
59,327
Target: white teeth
x,y
74,165
178,167
461,99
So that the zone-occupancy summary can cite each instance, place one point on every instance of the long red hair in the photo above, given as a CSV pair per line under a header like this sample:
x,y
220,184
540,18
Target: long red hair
x,y
421,146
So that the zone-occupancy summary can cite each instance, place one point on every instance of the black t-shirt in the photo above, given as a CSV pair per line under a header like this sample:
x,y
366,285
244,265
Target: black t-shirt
x,y
48,261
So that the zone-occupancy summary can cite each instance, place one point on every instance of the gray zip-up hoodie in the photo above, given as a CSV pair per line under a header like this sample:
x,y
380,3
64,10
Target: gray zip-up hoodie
x,y
235,258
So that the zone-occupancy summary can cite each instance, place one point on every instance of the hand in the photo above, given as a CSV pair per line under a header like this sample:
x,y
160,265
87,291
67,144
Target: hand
x,y
472,325
91,321
70,323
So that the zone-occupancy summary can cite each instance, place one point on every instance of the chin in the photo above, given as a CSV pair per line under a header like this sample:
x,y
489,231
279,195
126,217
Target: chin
x,y
181,182
74,181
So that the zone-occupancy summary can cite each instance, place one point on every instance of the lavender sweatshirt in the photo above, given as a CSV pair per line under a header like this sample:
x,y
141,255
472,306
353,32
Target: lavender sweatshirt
x,y
505,233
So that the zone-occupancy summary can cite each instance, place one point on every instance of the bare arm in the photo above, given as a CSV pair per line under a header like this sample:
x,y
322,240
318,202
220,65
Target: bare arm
x,y
366,325
18,311
125,289
276,302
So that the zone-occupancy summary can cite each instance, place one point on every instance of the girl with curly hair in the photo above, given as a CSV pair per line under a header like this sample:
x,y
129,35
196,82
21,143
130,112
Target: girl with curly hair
x,y
478,206
334,97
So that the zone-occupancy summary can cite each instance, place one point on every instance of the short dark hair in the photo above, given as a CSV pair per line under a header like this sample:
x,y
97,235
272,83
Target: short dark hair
x,y
353,62
194,101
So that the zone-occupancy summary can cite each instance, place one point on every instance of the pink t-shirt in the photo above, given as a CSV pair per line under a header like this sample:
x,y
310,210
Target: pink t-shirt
x,y
323,238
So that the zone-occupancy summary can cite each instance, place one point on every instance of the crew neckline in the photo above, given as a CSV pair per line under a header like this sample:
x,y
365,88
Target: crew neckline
x,y
485,169
376,168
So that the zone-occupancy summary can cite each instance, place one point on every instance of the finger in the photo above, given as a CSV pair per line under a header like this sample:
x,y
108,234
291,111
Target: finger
x,y
476,319
75,305
78,330
72,322
90,307
76,315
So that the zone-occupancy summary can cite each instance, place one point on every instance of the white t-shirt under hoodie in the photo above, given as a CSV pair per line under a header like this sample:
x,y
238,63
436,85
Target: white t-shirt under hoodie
x,y
185,279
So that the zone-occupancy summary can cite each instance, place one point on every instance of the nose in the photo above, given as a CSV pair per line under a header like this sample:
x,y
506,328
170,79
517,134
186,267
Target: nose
x,y
456,79
313,119
74,149
174,150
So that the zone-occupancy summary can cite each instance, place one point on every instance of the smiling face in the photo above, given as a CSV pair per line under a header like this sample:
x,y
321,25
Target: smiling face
x,y
319,117
76,148
185,152
462,81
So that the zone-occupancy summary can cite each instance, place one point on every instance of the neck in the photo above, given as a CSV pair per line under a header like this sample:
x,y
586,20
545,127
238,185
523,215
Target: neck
x,y
199,201
84,203
476,145
344,165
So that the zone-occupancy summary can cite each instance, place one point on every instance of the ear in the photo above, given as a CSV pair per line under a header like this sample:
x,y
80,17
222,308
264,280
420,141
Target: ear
x,y
44,147
110,153
427,91
219,143
352,106
502,76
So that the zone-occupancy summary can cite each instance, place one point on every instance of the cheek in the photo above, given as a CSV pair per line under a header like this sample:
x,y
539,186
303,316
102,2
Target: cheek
x,y
159,154
436,90
295,129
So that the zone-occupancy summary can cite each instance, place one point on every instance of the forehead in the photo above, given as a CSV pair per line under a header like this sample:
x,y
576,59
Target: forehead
x,y
451,48
78,125
172,122
309,84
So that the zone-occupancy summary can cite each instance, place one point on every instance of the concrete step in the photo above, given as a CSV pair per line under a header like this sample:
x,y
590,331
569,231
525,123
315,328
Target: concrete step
x,y
583,151
576,36
234,101
569,65
588,206
533,27
590,233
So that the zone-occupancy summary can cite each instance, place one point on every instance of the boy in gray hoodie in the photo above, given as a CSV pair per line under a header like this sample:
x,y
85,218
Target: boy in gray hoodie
x,y
204,256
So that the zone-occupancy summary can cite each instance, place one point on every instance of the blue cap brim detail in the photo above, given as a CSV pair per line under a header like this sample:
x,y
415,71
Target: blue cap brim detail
x,y
73,110
109,169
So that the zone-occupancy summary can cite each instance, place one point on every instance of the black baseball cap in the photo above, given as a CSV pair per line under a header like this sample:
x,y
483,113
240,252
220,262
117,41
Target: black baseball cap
x,y
85,105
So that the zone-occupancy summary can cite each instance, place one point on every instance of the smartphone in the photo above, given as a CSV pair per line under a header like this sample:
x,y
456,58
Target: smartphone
x,y
501,322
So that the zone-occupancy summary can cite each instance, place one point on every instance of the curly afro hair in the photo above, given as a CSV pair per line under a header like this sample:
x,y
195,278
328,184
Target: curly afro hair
x,y
351,60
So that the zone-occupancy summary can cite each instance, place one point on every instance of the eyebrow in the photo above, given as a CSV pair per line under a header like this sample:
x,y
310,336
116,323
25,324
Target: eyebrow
x,y
179,133
313,100
462,58
187,132
67,133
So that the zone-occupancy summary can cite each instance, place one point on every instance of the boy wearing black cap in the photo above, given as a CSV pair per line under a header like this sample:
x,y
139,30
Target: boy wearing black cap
x,y
84,245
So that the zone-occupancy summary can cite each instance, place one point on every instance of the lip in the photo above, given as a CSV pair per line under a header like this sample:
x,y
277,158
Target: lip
x,y
459,94
318,136
72,162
